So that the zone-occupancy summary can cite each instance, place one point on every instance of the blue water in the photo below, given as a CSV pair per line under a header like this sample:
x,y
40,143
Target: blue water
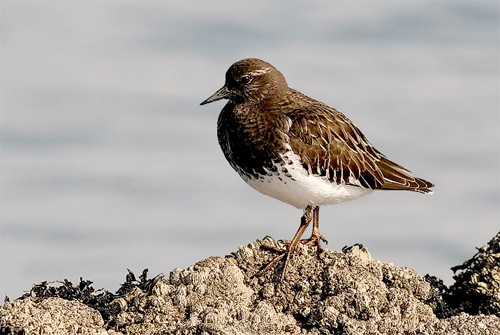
x,y
108,162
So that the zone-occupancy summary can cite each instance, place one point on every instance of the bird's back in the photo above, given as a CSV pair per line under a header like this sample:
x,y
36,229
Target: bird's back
x,y
331,146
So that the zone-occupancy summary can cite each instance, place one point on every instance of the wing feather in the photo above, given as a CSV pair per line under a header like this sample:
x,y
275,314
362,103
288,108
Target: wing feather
x,y
331,146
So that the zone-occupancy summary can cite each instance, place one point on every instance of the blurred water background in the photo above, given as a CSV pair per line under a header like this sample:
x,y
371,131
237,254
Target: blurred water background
x,y
108,162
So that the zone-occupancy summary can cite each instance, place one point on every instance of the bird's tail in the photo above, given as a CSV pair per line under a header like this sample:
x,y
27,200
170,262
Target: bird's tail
x,y
397,177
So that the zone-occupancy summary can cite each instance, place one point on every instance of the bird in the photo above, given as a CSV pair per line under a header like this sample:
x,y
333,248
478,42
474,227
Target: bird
x,y
298,150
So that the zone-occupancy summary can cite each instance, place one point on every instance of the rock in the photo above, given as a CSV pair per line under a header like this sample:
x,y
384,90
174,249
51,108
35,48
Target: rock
x,y
323,293
477,284
51,316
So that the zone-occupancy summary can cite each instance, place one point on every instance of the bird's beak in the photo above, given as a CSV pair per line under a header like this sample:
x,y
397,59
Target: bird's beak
x,y
223,93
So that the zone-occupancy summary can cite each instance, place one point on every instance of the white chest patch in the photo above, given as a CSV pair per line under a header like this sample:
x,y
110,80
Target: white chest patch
x,y
293,185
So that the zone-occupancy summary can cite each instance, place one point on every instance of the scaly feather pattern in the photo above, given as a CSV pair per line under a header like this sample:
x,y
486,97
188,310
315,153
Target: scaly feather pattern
x,y
297,149
331,146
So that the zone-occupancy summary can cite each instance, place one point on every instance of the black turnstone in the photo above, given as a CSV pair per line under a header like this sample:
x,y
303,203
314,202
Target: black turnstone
x,y
297,149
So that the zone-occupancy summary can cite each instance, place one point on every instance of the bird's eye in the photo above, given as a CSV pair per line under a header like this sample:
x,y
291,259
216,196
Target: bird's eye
x,y
246,79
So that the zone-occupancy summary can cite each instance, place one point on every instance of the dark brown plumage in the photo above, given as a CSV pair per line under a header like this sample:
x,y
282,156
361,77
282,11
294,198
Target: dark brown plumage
x,y
297,149
332,146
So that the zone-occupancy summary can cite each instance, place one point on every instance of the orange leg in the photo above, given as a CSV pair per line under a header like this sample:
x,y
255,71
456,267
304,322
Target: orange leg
x,y
316,237
304,222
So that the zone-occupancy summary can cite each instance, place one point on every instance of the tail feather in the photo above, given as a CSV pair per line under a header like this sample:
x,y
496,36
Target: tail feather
x,y
417,185
397,177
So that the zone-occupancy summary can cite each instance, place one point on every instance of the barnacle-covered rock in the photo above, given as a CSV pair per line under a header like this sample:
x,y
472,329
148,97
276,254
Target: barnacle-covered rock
x,y
323,292
477,282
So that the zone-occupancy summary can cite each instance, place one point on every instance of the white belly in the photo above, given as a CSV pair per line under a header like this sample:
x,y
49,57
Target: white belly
x,y
300,189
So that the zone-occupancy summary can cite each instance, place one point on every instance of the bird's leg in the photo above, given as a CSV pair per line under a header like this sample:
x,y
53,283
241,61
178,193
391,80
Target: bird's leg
x,y
304,222
316,237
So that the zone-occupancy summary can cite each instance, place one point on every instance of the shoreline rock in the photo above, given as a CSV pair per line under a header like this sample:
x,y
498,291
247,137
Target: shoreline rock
x,y
323,292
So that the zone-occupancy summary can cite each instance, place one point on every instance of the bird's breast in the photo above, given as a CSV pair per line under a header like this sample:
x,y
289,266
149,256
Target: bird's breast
x,y
251,140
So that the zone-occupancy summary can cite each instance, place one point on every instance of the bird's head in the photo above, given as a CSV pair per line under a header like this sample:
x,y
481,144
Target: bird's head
x,y
251,79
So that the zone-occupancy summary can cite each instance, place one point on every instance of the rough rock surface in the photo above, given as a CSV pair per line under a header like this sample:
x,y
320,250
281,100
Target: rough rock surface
x,y
477,285
51,316
323,293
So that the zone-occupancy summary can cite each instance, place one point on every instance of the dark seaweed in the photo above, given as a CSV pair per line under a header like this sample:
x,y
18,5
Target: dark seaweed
x,y
99,300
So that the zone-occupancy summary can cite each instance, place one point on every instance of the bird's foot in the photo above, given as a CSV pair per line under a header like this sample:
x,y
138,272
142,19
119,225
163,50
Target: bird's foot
x,y
282,254
273,248
315,241
274,261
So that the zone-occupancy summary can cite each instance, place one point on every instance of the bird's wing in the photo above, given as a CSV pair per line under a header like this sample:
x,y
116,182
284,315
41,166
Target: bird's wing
x,y
332,146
